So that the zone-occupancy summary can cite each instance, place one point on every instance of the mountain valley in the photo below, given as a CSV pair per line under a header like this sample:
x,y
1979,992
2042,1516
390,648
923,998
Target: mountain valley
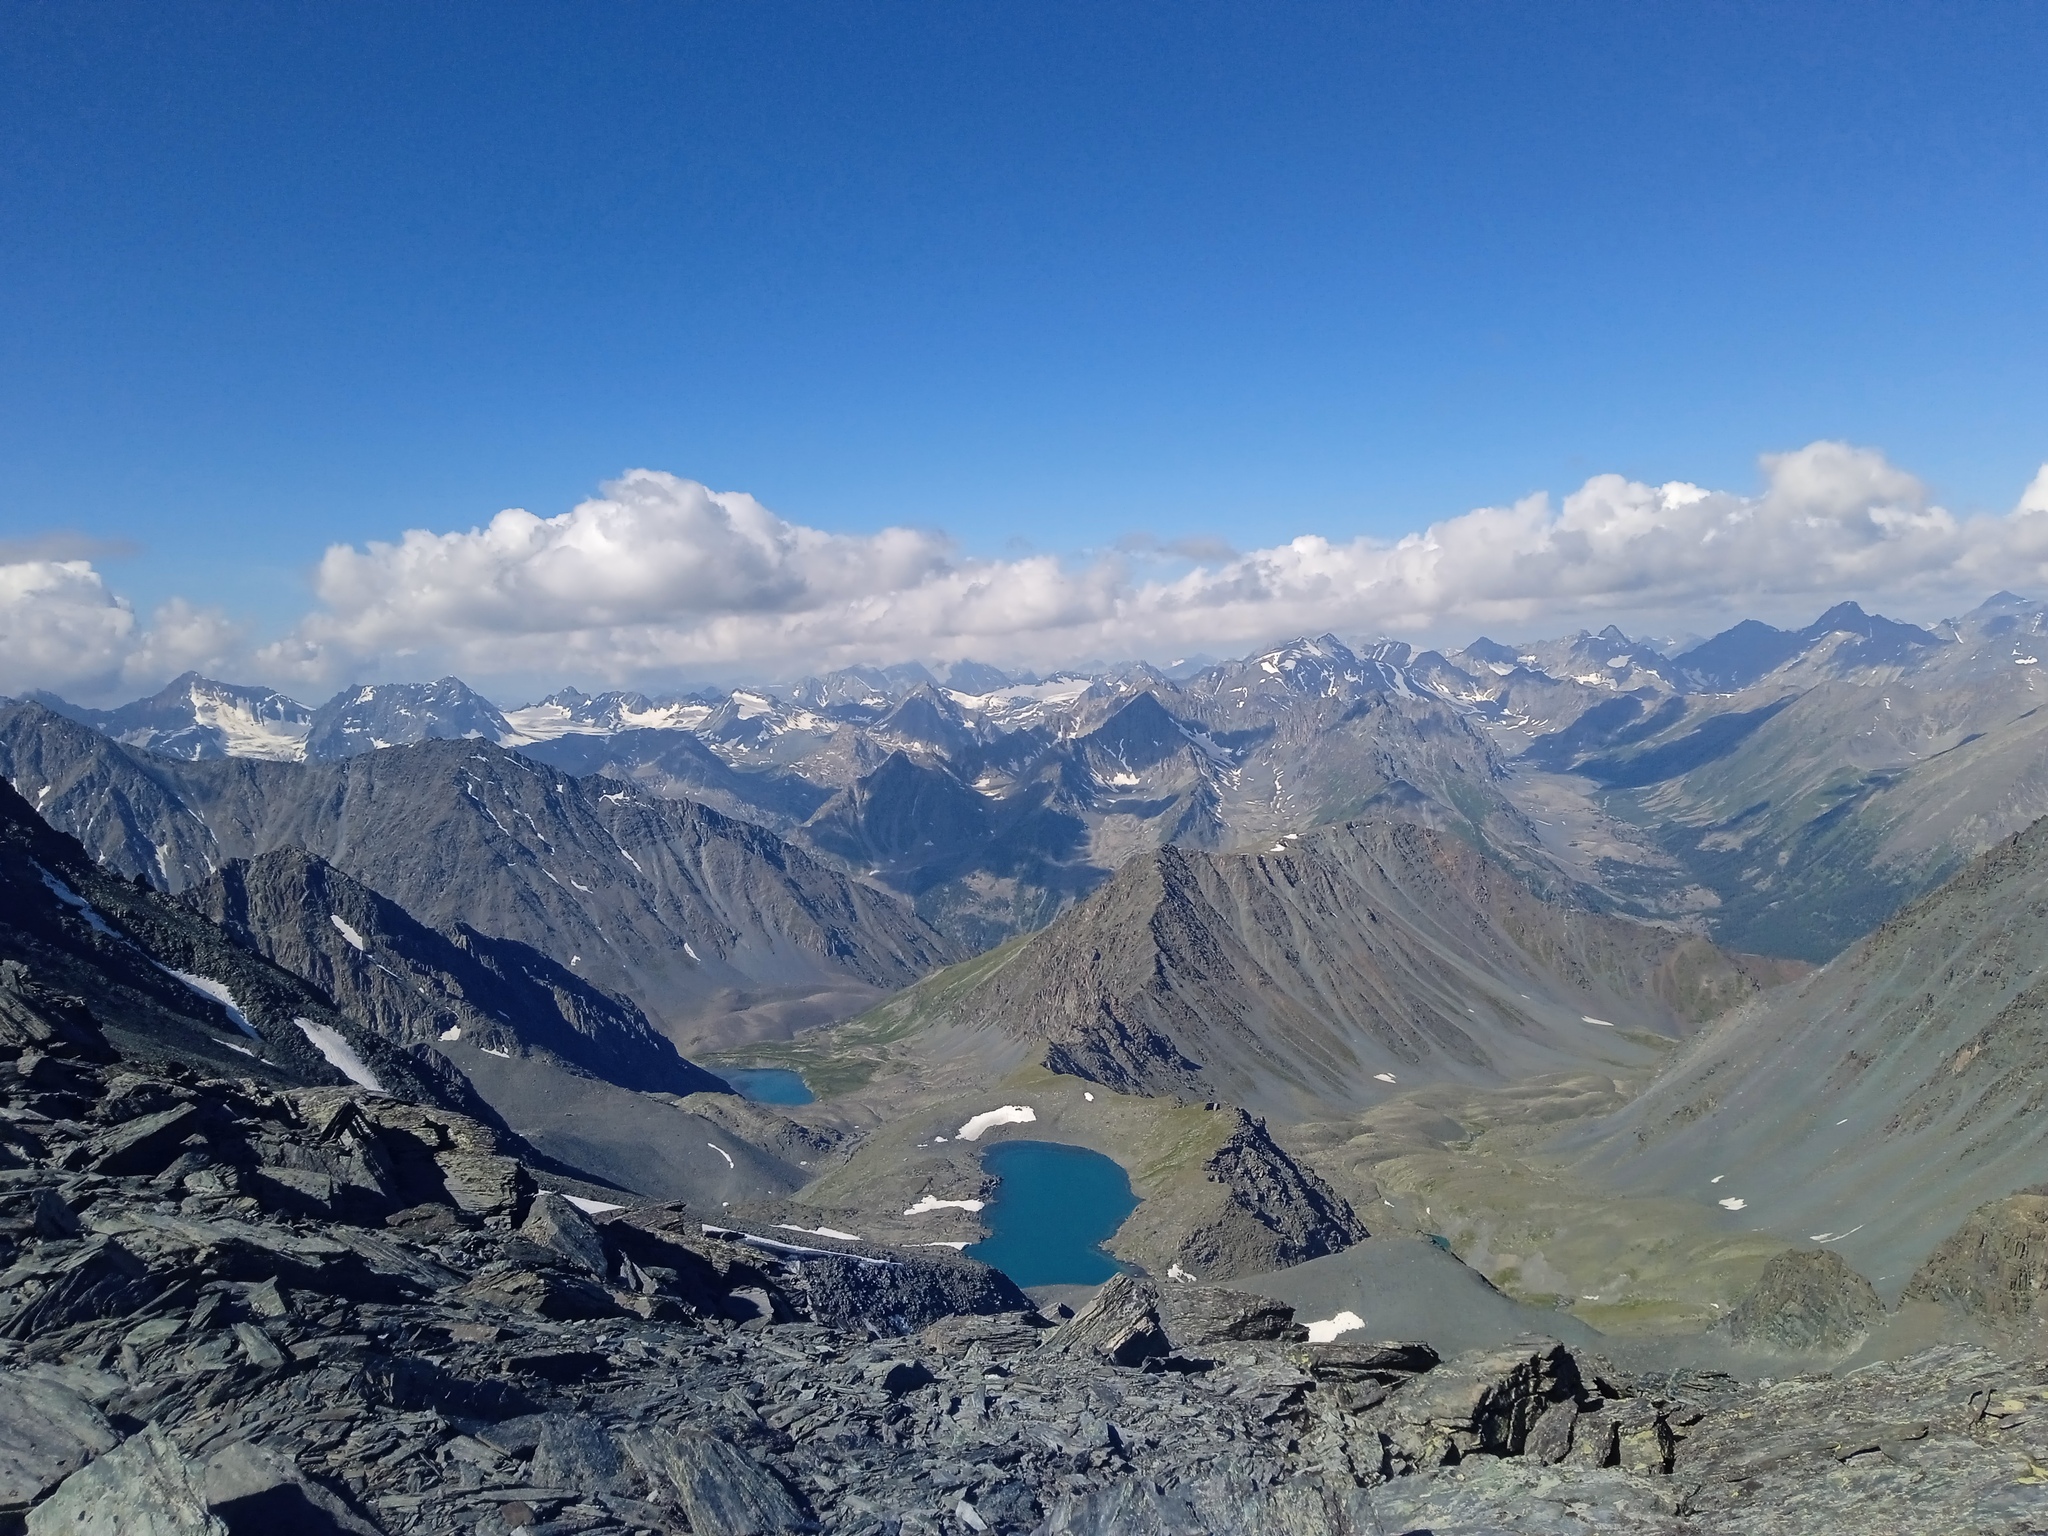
x,y
1659,1037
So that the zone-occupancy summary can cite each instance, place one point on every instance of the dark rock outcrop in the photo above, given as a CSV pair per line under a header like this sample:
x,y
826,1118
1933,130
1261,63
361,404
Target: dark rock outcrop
x,y
1995,1266
1806,1300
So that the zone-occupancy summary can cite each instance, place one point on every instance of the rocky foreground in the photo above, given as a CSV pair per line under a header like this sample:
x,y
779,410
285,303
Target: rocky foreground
x,y
232,1307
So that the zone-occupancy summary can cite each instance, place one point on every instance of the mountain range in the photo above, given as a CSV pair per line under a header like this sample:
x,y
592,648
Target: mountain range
x,y
1784,790
1568,985
695,917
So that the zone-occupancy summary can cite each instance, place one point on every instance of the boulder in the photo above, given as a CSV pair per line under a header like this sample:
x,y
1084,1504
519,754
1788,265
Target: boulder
x,y
258,1491
1482,1401
47,1432
723,1490
545,1293
1120,1323
483,1183
575,1452
145,1145
903,1294
556,1225
100,1279
1550,1437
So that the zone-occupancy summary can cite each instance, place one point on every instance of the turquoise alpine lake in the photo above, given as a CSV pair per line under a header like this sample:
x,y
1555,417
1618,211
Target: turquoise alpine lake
x,y
768,1085
1054,1208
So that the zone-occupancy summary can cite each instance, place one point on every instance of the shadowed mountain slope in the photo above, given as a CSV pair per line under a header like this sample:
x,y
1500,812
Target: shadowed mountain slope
x,y
164,984
420,985
692,915
1329,970
1878,1102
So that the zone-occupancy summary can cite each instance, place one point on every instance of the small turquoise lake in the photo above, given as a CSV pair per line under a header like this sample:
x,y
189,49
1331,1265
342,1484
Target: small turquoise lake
x,y
1053,1210
768,1085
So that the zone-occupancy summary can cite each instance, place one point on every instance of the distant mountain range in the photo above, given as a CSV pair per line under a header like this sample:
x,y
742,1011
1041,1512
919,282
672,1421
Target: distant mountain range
x,y
1785,788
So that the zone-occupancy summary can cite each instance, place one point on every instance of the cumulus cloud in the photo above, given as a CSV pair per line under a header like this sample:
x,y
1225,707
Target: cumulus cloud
x,y
63,628
659,577
660,574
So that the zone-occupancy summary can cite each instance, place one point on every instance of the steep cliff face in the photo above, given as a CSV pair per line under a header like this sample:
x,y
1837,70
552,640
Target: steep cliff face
x,y
1875,1102
420,985
1335,967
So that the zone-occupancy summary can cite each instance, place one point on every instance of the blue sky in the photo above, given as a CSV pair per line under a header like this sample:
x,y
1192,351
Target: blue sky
x,y
275,277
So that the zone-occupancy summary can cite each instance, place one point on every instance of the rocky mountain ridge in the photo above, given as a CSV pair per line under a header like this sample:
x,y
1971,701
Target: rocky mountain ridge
x,y
1317,976
1786,788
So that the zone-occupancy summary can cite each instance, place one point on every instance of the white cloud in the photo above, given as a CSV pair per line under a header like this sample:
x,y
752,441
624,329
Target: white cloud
x,y
660,574
2035,497
63,628
660,577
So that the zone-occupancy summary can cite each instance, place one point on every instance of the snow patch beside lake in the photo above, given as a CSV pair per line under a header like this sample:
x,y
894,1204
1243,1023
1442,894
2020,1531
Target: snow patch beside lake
x,y
934,1203
988,1119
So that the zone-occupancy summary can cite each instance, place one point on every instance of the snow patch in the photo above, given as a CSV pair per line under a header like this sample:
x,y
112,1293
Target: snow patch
x,y
1008,1114
206,986
714,1146
71,898
348,933
591,1207
452,1032
341,1056
1734,1203
934,1203
1589,1019
1383,1077
1326,1330
832,1232
1175,1272
501,1055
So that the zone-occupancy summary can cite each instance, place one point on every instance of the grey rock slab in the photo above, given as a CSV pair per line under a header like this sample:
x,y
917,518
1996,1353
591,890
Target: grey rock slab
x,y
143,1487
46,1433
1212,1314
575,1451
257,1490
723,1490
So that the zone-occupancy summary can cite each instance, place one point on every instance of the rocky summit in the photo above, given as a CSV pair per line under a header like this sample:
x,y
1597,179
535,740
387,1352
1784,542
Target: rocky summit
x,y
238,1307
